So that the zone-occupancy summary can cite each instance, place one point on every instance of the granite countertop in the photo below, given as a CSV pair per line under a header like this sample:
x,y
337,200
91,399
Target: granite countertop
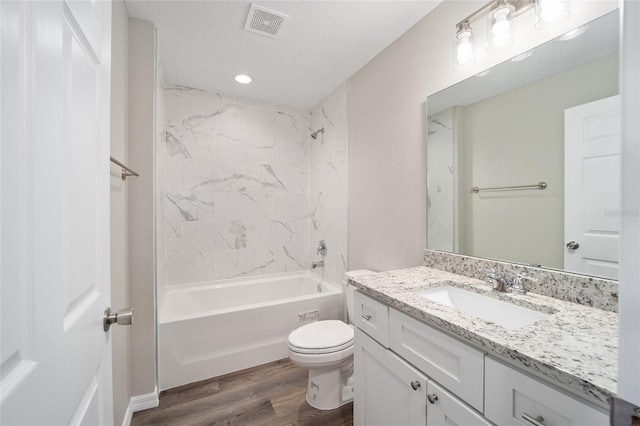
x,y
574,348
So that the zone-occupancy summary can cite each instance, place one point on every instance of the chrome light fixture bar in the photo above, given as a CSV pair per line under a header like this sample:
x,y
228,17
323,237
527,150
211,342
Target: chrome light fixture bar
x,y
500,13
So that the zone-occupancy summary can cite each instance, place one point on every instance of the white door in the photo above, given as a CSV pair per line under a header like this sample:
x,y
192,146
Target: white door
x,y
388,391
592,188
56,363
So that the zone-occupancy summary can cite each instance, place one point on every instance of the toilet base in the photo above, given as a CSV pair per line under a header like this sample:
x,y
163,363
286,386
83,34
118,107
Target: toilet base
x,y
330,389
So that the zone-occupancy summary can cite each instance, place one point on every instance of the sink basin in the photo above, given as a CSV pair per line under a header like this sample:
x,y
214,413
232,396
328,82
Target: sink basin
x,y
505,314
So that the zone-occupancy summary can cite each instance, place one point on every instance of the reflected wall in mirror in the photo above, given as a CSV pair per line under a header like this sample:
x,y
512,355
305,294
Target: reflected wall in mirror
x,y
541,117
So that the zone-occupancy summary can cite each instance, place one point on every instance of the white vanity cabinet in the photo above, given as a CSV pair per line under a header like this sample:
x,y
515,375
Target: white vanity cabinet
x,y
444,409
513,399
408,373
389,390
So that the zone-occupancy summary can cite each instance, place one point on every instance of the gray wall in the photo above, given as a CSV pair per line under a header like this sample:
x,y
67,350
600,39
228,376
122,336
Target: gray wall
x,y
387,155
121,336
142,66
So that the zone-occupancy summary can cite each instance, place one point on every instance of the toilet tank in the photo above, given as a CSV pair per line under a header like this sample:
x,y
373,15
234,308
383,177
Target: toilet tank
x,y
349,289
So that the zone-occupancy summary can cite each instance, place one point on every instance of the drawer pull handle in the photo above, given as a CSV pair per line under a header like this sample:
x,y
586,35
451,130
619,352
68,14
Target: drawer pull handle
x,y
537,421
432,397
366,317
415,385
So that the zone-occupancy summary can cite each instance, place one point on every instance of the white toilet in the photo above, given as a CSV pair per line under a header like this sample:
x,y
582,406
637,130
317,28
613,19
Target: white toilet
x,y
325,348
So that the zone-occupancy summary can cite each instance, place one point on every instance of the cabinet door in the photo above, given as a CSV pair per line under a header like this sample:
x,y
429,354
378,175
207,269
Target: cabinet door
x,y
444,409
384,394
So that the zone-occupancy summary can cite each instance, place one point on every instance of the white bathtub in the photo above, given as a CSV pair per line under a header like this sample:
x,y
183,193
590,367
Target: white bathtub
x,y
214,328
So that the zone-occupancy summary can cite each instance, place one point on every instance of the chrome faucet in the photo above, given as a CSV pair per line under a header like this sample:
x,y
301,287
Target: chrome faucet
x,y
322,251
518,287
500,282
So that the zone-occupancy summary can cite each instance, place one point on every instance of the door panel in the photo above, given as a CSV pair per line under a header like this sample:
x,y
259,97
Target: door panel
x,y
55,228
592,187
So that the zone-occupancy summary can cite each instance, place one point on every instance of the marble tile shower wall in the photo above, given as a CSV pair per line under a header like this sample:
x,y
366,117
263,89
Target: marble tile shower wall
x,y
328,190
234,188
440,181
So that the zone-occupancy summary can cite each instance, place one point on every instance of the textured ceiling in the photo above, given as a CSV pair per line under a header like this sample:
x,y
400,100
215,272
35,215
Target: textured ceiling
x,y
202,44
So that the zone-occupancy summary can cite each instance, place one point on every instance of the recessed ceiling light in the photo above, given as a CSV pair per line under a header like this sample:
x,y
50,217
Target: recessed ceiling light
x,y
522,56
243,78
573,33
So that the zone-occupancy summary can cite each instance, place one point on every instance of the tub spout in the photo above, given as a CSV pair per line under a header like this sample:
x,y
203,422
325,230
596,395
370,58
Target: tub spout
x,y
314,265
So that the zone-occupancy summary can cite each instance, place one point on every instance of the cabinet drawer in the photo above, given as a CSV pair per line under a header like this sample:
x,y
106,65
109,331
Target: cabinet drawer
x,y
454,365
372,317
511,396
445,409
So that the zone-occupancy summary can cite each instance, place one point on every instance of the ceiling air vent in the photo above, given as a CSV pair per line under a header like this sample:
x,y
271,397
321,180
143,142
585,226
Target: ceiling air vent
x,y
263,21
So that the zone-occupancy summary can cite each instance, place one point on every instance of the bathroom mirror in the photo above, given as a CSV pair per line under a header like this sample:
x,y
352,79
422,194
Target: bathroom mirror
x,y
505,127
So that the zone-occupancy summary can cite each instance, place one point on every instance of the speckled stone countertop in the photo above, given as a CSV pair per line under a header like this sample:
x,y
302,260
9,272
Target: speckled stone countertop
x,y
575,348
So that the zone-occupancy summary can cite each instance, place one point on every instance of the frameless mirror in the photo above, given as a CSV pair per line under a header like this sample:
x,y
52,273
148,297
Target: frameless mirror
x,y
523,159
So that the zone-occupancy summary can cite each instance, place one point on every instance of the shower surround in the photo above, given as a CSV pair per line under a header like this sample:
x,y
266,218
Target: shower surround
x,y
244,191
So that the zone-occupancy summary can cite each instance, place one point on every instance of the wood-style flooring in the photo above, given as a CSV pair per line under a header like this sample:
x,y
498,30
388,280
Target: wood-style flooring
x,y
272,394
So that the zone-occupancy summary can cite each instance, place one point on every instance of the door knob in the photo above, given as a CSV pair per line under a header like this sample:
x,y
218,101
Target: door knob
x,y
432,397
122,317
415,385
572,245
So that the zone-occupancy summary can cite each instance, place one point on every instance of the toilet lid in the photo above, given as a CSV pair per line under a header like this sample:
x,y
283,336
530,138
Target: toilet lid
x,y
321,337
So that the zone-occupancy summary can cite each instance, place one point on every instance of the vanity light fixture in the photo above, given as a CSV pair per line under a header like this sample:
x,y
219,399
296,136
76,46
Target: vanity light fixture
x,y
464,48
499,25
551,11
243,78
499,14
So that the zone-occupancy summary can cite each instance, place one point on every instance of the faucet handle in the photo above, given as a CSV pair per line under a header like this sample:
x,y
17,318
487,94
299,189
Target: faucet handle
x,y
517,286
322,248
523,277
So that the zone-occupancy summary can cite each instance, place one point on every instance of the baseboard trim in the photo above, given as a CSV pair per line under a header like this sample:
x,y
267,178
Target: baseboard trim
x,y
146,401
128,415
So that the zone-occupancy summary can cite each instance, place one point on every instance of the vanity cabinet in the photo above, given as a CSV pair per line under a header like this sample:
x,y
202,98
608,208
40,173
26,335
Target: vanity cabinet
x,y
513,398
417,375
389,390
443,408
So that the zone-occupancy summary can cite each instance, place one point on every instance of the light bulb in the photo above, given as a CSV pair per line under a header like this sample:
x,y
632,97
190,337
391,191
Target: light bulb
x,y
465,50
501,26
551,10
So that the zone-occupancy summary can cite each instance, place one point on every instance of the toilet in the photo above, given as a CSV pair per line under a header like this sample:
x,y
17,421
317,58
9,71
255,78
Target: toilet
x,y
325,348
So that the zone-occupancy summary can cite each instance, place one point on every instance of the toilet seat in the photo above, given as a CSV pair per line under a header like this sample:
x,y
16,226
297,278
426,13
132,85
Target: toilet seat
x,y
321,337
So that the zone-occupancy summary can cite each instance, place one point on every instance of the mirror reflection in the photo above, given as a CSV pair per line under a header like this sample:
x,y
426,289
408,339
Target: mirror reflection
x,y
550,115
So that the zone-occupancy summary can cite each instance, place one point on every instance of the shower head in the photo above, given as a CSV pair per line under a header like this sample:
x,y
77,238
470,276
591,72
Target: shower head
x,y
315,134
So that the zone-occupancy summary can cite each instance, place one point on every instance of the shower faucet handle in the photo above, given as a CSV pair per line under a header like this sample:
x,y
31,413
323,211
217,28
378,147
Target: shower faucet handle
x,y
322,248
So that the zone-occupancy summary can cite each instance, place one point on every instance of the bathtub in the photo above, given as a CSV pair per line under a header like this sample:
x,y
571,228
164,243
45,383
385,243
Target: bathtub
x,y
213,328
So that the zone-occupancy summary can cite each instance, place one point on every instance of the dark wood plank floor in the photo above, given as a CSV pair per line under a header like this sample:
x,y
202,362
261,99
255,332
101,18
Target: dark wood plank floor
x,y
272,394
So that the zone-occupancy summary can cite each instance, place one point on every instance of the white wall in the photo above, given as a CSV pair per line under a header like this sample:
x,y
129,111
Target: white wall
x,y
329,183
387,158
142,66
629,349
517,138
121,336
